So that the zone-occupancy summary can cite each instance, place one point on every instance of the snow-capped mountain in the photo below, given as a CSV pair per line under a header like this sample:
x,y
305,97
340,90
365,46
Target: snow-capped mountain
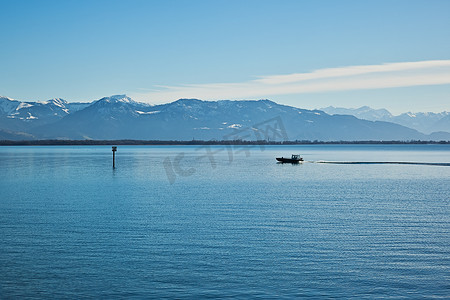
x,y
364,112
8,105
424,122
17,115
120,117
103,119
427,122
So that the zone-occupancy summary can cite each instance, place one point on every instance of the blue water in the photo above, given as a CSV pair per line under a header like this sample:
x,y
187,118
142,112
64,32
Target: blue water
x,y
177,222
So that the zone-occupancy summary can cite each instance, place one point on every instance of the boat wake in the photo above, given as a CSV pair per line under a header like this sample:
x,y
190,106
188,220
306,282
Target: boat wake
x,y
382,163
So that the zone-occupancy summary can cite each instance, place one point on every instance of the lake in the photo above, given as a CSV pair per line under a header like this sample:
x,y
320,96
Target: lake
x,y
224,222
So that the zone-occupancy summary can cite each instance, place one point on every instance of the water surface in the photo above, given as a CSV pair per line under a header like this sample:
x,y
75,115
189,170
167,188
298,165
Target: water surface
x,y
192,221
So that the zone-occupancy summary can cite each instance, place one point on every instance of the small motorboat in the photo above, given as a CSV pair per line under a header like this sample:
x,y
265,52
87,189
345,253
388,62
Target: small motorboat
x,y
295,159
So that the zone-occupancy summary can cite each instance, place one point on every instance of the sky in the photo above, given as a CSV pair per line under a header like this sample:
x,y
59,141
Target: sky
x,y
308,54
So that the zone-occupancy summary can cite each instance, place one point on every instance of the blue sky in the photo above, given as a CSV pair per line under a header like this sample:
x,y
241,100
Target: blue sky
x,y
307,54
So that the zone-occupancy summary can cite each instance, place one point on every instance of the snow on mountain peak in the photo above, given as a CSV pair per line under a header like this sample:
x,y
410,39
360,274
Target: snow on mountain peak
x,y
24,105
8,105
6,98
56,101
123,99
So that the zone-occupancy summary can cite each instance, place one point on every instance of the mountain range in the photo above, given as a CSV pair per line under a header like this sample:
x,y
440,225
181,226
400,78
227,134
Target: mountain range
x,y
427,122
120,117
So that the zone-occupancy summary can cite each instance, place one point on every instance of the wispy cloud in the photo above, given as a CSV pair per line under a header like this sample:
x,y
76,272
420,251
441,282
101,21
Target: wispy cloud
x,y
390,75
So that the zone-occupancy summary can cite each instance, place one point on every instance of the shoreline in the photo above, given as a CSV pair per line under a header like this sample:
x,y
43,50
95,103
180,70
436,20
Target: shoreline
x,y
202,142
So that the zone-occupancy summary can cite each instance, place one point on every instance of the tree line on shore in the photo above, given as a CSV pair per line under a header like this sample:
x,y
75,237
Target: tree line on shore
x,y
202,142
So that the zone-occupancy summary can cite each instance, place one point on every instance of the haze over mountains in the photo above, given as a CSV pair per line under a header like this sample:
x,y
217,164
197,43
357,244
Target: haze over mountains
x,y
427,122
119,117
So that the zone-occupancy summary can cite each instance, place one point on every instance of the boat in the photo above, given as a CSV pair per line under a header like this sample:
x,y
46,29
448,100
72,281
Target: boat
x,y
295,159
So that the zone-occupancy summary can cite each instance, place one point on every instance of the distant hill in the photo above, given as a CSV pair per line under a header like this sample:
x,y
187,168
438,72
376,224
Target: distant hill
x,y
119,117
14,136
427,122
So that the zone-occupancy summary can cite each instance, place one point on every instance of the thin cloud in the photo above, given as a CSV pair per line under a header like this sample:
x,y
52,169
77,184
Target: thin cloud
x,y
405,74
